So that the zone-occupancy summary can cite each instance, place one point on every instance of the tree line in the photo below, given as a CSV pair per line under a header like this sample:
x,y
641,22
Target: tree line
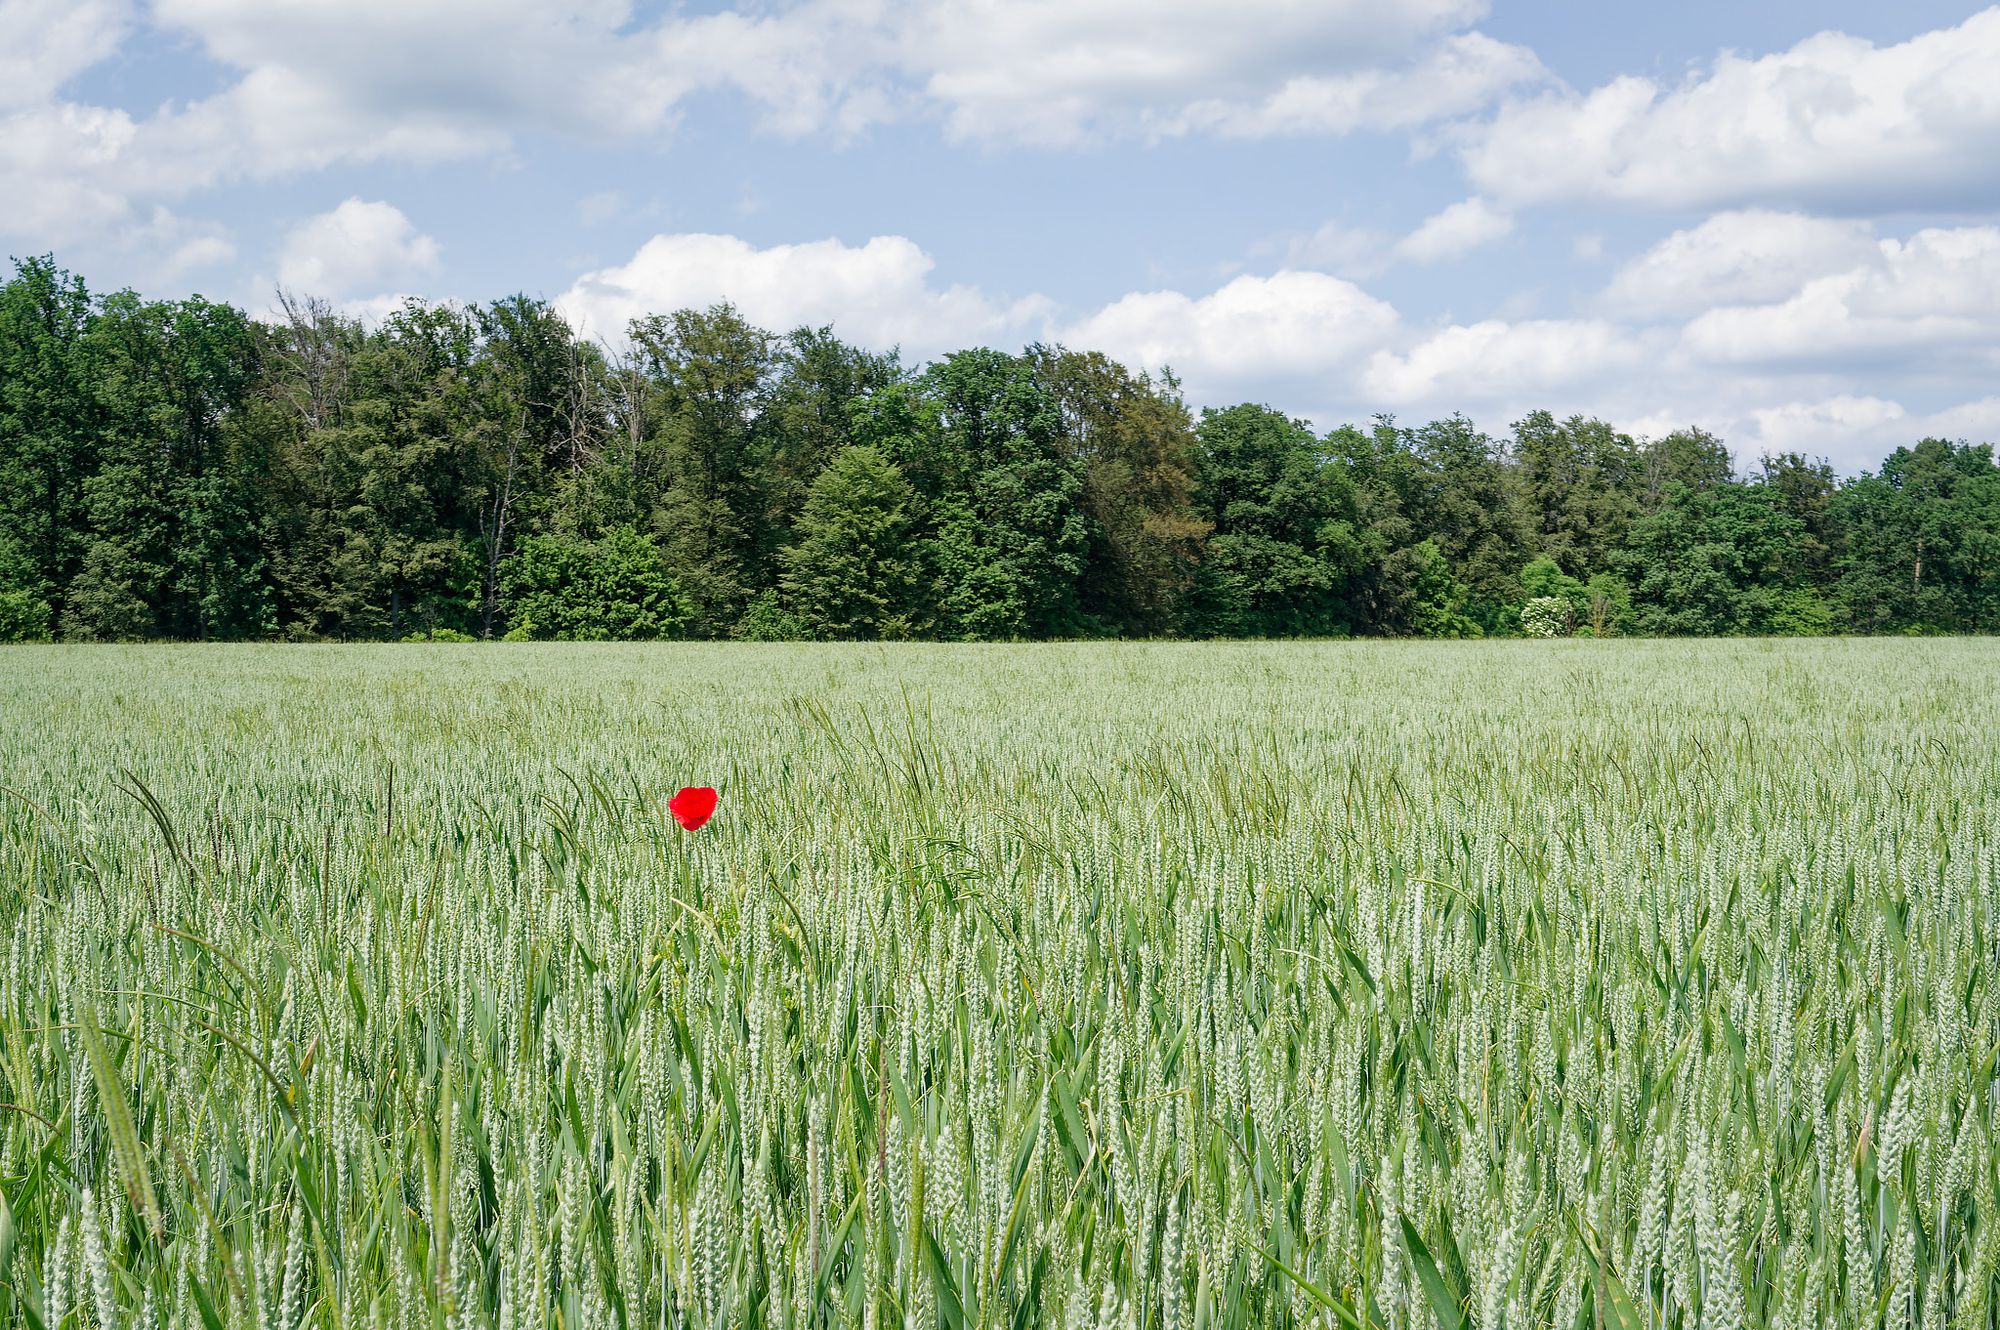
x,y
177,469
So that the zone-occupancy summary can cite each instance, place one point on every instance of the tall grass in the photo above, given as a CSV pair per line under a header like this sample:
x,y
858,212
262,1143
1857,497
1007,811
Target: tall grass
x,y
1186,987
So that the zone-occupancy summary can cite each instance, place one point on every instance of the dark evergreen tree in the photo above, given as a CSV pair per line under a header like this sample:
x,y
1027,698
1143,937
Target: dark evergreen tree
x,y
853,570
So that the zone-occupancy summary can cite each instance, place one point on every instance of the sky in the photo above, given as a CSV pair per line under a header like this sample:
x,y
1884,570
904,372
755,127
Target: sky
x,y
1777,221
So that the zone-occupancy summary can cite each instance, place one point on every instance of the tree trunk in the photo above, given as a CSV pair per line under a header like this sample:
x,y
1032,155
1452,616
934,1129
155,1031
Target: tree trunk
x,y
503,505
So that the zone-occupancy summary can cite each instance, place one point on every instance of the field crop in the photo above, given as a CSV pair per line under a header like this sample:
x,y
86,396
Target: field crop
x,y
1579,983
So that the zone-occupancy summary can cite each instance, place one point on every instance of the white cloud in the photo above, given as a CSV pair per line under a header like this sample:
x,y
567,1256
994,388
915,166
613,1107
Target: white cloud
x,y
1292,325
1346,251
1363,252
1056,70
1289,325
1458,229
1856,432
358,248
179,248
1736,258
45,43
1934,294
52,167
311,84
1461,74
878,294
315,83
1835,122
1810,427
1496,361
333,79
437,77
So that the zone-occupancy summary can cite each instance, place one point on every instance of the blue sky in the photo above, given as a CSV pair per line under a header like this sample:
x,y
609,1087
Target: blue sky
x,y
1778,221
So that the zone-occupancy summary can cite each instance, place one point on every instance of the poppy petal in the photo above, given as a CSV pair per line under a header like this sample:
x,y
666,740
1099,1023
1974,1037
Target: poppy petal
x,y
693,806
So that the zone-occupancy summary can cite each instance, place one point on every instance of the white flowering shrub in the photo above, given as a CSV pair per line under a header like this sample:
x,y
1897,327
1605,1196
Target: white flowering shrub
x,y
1547,616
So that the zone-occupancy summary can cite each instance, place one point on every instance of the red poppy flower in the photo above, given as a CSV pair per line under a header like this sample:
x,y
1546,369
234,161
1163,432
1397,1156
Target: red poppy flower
x,y
693,806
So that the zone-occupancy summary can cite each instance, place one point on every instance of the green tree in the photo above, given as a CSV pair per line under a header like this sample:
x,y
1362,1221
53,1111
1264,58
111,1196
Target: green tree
x,y
107,600
24,615
1471,513
1284,545
382,491
1804,492
178,485
1579,486
710,372
819,385
1436,605
535,427
852,572
49,425
1693,459
1921,541
1008,537
1711,561
1136,442
616,588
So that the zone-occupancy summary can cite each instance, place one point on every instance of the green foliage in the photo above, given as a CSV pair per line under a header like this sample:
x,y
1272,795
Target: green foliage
x,y
852,572
451,635
1607,604
1283,540
1436,598
615,588
1921,542
1543,578
1580,483
50,425
1009,537
1711,561
1140,455
1689,459
767,620
172,469
1801,611
106,602
25,617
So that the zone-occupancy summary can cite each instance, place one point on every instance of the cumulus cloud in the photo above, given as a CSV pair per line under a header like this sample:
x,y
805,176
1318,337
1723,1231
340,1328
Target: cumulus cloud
x,y
1936,293
879,294
312,84
1292,325
1056,70
45,43
1346,251
1857,431
1835,123
1460,74
1734,258
1459,229
1500,361
357,249
1285,326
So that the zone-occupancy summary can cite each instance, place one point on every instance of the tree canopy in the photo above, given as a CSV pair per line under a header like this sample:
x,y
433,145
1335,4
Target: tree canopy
x,y
178,469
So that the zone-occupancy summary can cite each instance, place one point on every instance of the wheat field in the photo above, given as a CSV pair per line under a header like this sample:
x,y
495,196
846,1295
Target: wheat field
x,y
1636,984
